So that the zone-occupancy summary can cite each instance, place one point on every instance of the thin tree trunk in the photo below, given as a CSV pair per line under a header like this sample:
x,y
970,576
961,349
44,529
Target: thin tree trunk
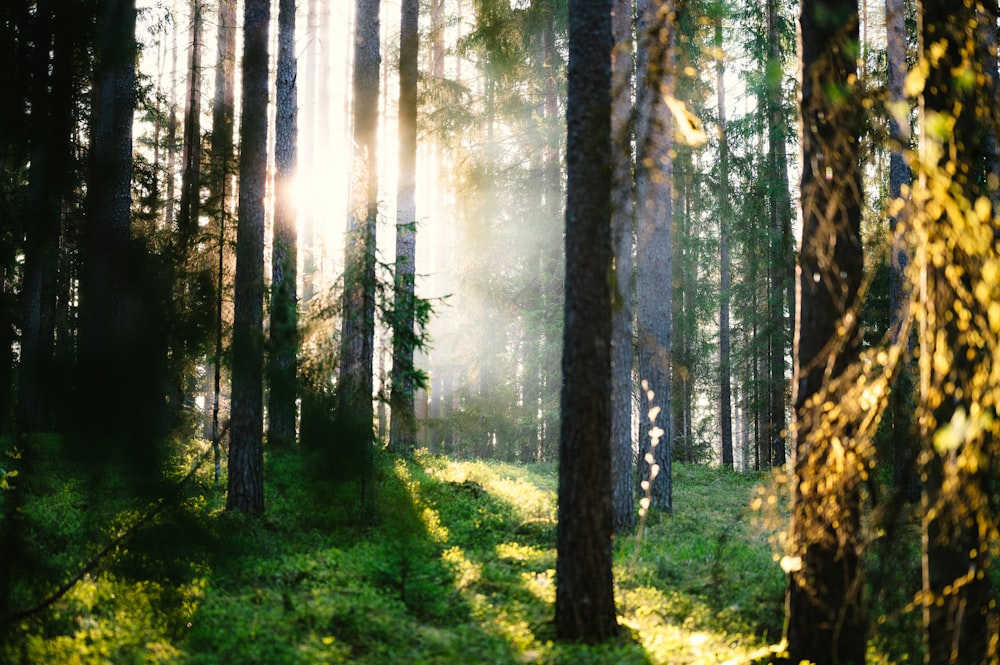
x,y
403,428
781,265
725,375
246,472
223,111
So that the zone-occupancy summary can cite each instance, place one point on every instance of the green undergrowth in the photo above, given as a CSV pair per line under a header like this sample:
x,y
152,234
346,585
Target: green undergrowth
x,y
449,562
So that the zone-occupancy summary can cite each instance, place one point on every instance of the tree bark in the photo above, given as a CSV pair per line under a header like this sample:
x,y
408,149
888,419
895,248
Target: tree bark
x,y
585,607
246,463
826,621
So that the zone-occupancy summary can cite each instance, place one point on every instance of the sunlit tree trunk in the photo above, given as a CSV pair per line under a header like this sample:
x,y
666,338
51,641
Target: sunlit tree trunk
x,y
284,339
355,385
403,428
725,374
956,246
246,472
654,139
585,606
826,622
622,222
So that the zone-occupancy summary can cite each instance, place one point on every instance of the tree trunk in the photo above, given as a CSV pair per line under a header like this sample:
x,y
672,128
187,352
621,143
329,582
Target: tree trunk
x,y
107,321
781,268
654,138
826,622
284,339
585,606
52,126
622,220
355,386
246,463
223,110
403,428
190,203
725,373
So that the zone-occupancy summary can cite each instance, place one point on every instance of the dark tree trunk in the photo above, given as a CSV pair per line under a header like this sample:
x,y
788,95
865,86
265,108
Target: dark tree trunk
x,y
52,126
826,622
107,318
246,458
403,428
585,606
284,339
622,222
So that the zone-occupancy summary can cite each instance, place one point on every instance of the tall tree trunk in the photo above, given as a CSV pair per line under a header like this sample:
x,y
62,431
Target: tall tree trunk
x,y
355,386
246,455
654,139
585,605
725,369
551,265
190,203
52,126
955,250
781,265
403,428
107,317
903,446
221,195
622,221
307,155
170,201
826,622
284,338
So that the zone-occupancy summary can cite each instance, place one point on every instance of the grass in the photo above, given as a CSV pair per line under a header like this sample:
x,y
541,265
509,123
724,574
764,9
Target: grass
x,y
452,562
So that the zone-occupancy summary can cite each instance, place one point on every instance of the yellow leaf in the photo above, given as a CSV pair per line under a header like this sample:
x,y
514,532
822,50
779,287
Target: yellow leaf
x,y
914,83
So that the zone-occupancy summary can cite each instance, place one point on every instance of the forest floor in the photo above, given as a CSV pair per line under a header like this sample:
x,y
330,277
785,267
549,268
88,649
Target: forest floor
x,y
449,561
